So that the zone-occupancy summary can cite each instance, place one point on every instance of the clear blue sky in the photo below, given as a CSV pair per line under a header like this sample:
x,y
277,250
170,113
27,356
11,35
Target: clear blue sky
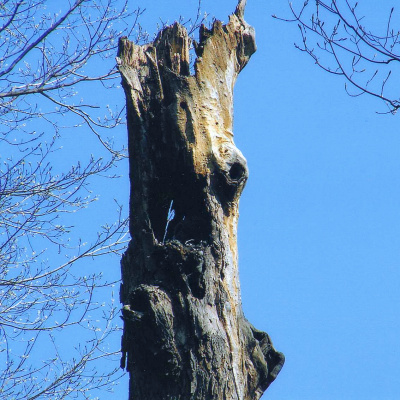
x,y
319,230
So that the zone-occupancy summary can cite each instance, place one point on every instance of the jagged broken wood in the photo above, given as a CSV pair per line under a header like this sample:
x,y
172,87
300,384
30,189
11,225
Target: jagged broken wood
x,y
185,335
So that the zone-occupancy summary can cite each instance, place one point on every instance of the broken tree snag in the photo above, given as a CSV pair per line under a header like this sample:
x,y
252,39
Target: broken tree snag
x,y
185,335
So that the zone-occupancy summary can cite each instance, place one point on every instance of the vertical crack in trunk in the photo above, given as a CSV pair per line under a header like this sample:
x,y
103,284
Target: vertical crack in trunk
x,y
185,335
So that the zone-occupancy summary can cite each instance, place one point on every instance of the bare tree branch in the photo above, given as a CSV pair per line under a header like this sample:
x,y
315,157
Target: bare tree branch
x,y
49,52
338,41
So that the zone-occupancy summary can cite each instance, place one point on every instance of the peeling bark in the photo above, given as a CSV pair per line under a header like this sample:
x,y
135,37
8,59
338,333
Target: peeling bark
x,y
185,335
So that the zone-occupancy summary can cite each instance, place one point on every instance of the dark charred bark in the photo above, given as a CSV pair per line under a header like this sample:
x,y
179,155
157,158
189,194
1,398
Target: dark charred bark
x,y
185,335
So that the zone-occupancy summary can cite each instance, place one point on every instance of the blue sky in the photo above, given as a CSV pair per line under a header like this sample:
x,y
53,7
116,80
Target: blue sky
x,y
319,228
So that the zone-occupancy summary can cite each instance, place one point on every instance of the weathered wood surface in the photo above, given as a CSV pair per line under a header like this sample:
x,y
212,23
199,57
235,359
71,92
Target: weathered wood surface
x,y
185,335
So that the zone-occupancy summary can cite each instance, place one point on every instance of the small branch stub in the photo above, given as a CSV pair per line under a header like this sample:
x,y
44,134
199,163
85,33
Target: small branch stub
x,y
185,335
240,9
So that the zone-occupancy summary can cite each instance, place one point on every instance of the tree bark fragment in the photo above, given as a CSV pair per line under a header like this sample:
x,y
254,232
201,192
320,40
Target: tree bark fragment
x,y
185,335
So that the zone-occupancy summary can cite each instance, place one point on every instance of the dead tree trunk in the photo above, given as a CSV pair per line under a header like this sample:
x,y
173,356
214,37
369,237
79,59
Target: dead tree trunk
x,y
185,335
